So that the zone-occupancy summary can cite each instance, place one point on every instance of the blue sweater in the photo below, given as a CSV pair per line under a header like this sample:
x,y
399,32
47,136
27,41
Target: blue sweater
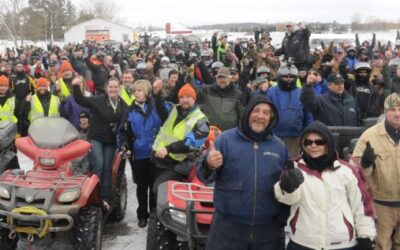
x,y
244,185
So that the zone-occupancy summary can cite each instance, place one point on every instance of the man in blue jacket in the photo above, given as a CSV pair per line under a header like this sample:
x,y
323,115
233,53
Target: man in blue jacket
x,y
294,117
245,162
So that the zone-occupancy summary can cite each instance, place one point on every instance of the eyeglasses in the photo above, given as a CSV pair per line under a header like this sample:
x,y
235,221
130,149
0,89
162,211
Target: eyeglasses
x,y
318,142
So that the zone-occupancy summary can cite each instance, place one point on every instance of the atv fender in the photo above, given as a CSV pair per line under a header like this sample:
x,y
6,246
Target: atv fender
x,y
90,192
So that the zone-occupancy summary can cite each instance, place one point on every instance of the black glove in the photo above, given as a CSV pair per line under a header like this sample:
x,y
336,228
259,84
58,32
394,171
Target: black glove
x,y
292,179
368,157
365,244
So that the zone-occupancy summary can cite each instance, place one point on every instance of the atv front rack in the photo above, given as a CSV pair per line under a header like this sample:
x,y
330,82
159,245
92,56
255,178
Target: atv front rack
x,y
192,192
193,200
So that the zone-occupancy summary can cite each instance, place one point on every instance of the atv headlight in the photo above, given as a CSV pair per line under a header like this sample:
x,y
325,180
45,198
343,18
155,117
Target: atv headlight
x,y
177,215
47,161
69,195
4,193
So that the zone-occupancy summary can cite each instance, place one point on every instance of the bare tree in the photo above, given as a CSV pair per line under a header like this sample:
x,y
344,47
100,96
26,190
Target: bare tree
x,y
11,19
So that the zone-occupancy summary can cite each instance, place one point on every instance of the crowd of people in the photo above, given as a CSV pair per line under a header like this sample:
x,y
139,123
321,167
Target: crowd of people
x,y
275,165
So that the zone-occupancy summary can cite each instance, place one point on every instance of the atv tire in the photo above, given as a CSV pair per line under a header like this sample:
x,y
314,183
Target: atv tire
x,y
5,242
89,229
159,237
121,197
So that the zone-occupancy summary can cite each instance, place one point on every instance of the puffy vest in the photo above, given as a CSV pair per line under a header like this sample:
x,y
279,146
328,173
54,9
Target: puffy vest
x,y
37,108
7,111
170,133
65,92
221,51
125,96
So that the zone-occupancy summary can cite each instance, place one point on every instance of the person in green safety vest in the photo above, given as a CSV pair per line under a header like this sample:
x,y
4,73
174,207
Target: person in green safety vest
x,y
126,90
43,103
63,85
7,113
178,143
7,101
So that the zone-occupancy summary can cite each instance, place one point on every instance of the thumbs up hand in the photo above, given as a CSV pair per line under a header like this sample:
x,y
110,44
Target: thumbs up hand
x,y
214,158
291,179
368,157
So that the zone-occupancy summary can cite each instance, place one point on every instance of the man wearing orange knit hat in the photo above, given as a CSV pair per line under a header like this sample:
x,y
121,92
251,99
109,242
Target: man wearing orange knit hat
x,y
63,85
43,103
180,139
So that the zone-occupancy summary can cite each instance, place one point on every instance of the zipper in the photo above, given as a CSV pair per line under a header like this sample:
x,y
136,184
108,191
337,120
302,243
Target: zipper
x,y
255,147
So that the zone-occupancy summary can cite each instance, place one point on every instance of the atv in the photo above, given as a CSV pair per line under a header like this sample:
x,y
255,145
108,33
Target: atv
x,y
52,198
346,136
184,212
8,131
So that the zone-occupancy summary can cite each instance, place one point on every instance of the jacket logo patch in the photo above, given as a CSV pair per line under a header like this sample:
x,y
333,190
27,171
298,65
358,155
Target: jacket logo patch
x,y
352,110
266,153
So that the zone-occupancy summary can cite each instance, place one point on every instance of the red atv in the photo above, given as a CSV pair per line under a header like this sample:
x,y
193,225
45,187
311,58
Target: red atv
x,y
53,197
184,212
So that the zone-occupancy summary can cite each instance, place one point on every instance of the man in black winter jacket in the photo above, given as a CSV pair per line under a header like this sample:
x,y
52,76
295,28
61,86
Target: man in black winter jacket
x,y
295,45
334,108
101,72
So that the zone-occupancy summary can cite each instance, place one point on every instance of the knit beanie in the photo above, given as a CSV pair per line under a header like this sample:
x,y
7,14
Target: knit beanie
x,y
4,81
187,90
65,66
42,82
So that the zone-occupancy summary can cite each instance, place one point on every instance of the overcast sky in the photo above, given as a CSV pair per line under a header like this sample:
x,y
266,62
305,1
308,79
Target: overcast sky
x,y
198,12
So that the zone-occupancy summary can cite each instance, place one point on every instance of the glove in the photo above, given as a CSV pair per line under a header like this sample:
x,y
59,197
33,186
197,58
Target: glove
x,y
365,244
126,153
292,179
368,157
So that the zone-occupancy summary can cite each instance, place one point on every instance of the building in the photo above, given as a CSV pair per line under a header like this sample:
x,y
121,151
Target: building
x,y
99,30
177,29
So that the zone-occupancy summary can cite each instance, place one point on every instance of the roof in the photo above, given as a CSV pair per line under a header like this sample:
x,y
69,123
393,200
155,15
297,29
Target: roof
x,y
91,20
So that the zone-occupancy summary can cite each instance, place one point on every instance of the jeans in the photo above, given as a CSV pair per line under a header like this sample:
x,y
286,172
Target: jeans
x,y
101,157
227,234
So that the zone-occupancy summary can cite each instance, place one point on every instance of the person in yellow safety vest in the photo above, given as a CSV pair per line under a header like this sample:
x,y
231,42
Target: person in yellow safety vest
x,y
43,103
7,113
7,101
63,85
126,90
222,48
180,139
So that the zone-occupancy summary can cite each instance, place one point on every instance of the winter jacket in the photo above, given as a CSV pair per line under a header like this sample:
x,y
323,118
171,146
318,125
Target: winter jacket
x,y
293,115
327,210
70,110
223,107
332,207
296,45
330,108
105,121
139,129
383,176
367,98
244,183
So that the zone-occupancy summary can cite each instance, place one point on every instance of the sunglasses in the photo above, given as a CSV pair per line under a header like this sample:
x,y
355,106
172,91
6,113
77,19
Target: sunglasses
x,y
318,142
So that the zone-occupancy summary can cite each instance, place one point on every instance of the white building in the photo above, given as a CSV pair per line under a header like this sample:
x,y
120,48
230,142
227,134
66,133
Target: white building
x,y
99,30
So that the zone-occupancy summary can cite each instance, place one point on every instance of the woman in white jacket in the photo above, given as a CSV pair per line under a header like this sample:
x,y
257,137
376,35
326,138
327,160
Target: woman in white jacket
x,y
330,208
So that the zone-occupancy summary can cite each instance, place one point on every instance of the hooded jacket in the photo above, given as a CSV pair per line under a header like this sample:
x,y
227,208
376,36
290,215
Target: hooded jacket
x,y
327,210
244,183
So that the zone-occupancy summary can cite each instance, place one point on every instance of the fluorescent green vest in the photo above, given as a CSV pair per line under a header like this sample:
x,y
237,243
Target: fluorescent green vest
x,y
64,92
37,108
169,134
7,111
125,96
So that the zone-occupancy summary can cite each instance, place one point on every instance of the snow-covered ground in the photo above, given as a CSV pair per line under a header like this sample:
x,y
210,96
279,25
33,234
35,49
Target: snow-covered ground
x,y
116,236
